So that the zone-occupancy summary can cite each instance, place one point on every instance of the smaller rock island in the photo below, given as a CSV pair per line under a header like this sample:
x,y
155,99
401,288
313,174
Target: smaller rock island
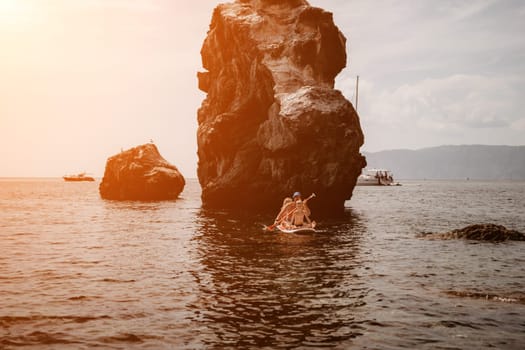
x,y
480,232
141,173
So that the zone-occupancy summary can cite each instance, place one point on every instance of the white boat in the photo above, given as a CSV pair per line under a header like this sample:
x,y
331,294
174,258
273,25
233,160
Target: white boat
x,y
78,177
375,177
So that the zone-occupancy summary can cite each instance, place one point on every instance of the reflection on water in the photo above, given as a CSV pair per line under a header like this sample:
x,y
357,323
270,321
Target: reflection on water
x,y
268,289
80,272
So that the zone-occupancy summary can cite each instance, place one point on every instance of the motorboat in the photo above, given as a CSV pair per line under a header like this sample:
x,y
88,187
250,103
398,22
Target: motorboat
x,y
375,177
78,177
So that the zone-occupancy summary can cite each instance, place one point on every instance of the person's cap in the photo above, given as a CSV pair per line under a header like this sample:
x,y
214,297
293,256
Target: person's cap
x,y
296,194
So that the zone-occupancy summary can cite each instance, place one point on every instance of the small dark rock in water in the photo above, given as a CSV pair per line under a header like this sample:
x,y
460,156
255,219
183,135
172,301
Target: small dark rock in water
x,y
481,232
517,297
141,173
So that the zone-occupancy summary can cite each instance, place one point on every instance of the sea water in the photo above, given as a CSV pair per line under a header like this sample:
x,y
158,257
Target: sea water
x,y
77,271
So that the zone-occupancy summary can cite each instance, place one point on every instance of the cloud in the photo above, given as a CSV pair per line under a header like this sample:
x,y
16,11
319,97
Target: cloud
x,y
456,109
454,102
458,10
435,73
519,124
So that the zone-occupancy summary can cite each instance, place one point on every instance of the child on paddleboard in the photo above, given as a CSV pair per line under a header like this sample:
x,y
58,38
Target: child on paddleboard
x,y
300,216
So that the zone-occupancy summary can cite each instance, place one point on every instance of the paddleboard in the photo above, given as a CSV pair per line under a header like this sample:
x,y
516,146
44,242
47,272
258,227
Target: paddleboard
x,y
296,230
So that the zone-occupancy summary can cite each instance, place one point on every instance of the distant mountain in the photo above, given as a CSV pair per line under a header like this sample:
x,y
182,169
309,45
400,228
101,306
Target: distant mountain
x,y
453,162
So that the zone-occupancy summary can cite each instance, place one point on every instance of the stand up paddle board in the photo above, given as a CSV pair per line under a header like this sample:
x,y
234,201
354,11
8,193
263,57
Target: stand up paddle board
x,y
296,230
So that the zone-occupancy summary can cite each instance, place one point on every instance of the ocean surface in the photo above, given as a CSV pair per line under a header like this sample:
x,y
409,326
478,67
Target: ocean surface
x,y
79,272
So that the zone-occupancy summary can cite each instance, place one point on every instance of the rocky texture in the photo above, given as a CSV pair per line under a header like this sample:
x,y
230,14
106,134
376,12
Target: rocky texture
x,y
272,122
513,297
481,232
141,173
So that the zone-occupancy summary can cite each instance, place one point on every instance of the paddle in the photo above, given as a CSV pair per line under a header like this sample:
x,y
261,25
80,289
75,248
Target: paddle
x,y
275,224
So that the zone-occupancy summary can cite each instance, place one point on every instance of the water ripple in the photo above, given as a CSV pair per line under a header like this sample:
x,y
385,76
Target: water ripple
x,y
80,272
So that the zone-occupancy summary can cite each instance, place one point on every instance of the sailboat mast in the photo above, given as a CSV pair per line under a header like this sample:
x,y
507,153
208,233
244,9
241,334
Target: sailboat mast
x,y
356,93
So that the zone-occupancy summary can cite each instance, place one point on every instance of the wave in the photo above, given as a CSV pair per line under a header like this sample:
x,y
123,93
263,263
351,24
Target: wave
x,y
7,321
36,338
114,280
123,337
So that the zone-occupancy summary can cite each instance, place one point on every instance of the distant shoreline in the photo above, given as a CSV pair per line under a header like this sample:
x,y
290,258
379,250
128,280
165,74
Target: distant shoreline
x,y
398,180
474,162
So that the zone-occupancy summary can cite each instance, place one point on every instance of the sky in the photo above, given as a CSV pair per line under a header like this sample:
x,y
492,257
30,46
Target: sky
x,y
80,80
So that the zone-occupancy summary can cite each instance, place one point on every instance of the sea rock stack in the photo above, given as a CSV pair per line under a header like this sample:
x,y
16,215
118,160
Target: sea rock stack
x,y
141,173
272,122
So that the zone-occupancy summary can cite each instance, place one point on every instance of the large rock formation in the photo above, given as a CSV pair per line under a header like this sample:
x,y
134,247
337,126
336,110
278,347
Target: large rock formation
x,y
141,173
272,122
480,232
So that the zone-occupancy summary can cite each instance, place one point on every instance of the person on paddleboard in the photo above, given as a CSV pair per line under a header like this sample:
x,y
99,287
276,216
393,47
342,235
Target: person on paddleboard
x,y
298,197
300,218
285,212
294,212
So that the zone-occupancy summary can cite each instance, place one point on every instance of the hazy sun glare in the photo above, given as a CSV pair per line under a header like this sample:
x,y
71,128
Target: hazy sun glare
x,y
15,12
81,79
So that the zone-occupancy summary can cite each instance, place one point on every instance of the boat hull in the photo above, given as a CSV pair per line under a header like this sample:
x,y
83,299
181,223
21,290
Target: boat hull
x,y
75,179
374,182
